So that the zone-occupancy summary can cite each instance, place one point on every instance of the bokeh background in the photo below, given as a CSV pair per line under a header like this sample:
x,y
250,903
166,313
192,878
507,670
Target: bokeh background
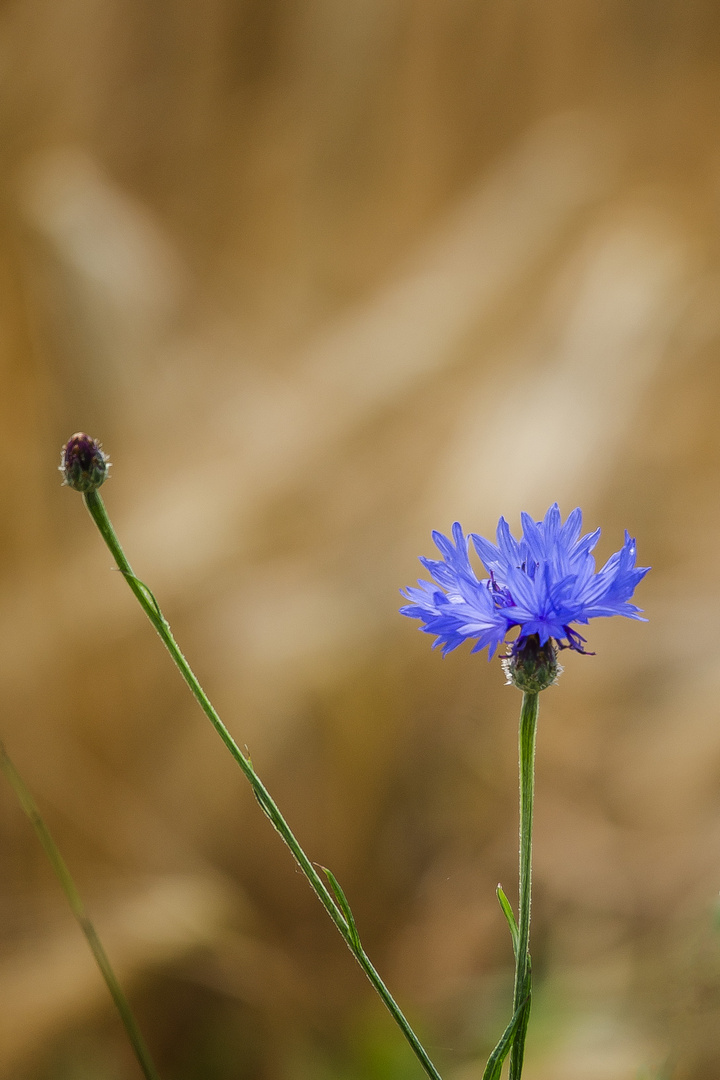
x,y
324,276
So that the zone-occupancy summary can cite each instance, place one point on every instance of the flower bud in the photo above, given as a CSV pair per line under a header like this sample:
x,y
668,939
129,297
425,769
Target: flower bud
x,y
532,667
83,464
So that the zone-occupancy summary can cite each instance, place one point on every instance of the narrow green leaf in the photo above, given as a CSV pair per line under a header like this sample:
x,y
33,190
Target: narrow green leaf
x,y
270,812
508,913
149,594
344,906
496,1059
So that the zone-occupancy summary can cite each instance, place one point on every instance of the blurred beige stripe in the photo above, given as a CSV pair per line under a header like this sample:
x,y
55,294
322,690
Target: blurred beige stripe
x,y
276,426
548,427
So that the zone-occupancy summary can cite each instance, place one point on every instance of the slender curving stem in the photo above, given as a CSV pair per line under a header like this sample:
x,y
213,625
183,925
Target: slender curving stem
x,y
145,598
523,975
78,909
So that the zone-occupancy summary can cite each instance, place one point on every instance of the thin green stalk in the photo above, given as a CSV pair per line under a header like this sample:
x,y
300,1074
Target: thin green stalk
x,y
523,975
345,925
76,905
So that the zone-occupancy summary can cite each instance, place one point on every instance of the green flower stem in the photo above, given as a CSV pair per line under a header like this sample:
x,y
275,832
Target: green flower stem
x,y
76,905
150,606
523,977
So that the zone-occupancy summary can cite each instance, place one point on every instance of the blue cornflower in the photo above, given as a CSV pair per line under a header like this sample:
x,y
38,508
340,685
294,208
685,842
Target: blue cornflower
x,y
540,584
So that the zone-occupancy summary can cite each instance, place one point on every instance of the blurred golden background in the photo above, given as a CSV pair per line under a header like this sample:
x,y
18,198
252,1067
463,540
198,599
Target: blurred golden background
x,y
325,276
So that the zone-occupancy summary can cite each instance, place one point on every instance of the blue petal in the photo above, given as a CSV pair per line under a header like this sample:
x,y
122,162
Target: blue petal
x,y
540,584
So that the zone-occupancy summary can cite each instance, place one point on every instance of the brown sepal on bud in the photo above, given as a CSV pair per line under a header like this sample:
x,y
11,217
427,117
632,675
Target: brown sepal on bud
x,y
83,464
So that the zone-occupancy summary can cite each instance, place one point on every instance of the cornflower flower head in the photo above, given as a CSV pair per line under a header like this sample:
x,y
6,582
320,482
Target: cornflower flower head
x,y
540,585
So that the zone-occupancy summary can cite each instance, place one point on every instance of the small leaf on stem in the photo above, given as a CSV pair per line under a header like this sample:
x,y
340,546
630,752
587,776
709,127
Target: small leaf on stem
x,y
344,906
508,913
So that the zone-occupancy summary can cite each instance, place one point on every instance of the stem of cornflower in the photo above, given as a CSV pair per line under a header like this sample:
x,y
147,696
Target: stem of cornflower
x,y
78,909
512,1040
337,906
523,975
